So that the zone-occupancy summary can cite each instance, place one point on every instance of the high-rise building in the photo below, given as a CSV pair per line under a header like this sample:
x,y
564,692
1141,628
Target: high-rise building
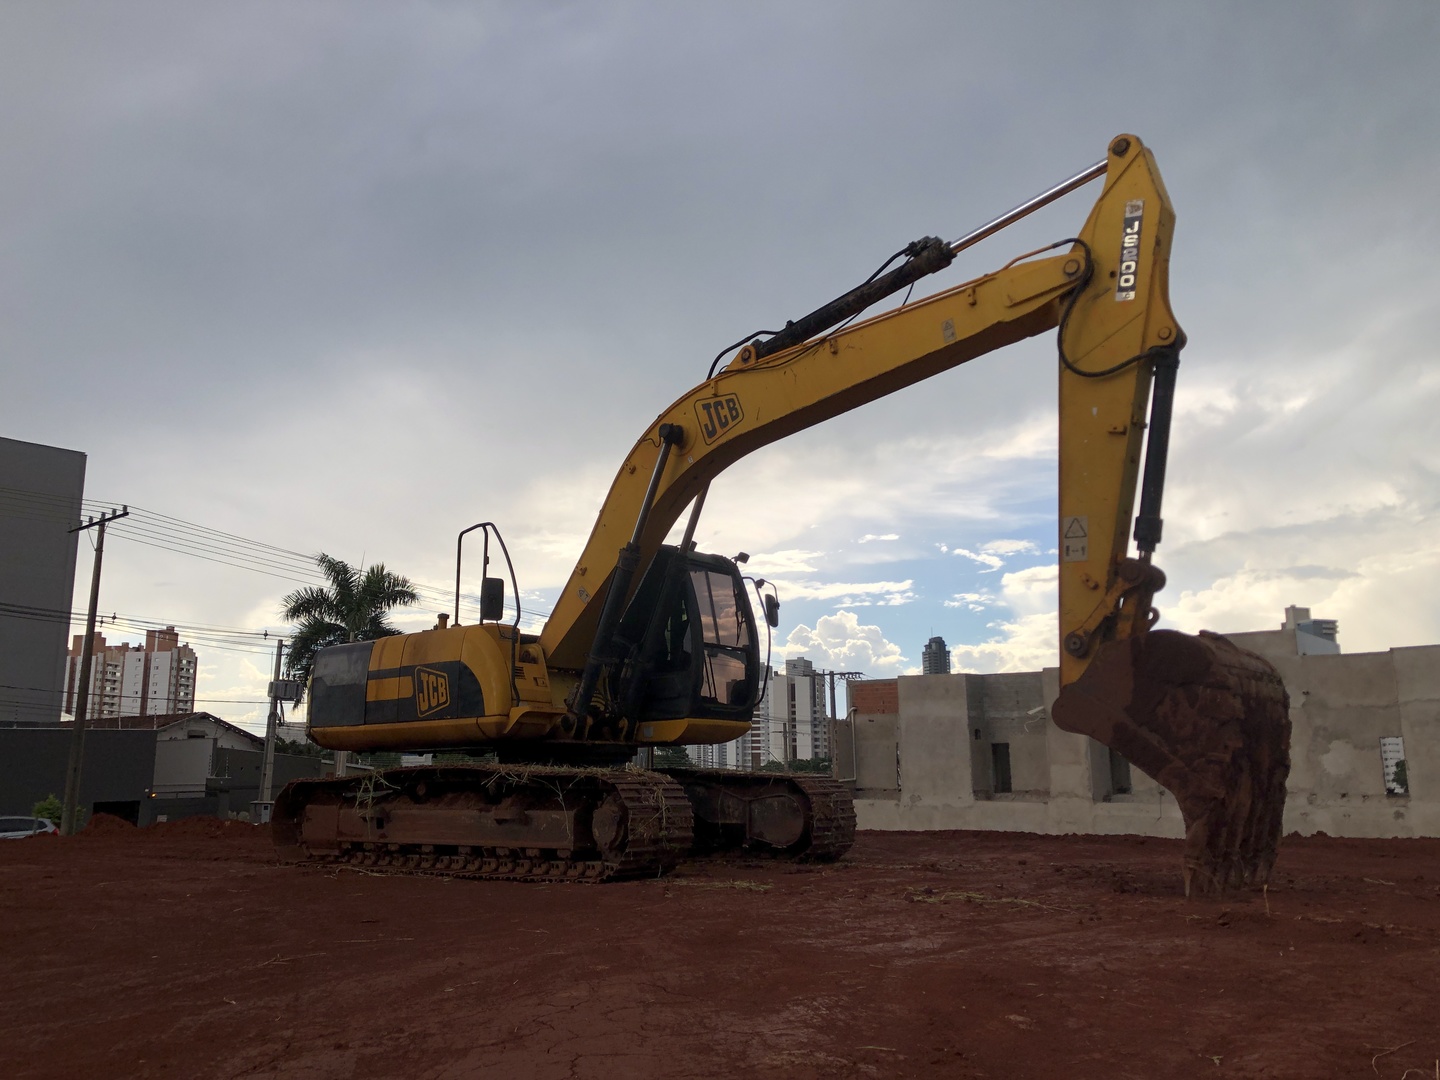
x,y
790,723
134,680
799,728
935,659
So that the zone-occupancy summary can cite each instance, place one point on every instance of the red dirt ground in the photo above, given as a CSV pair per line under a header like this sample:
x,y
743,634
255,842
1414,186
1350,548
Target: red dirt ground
x,y
186,951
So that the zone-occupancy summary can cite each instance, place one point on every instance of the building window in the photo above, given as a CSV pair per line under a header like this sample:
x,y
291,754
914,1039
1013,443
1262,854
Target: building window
x,y
1119,774
1000,763
1392,761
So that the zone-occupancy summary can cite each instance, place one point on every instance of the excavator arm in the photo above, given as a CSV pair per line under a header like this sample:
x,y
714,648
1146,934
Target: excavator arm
x,y
1108,293
1205,719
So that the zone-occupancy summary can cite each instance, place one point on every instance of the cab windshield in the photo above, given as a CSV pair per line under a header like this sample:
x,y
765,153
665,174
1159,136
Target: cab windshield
x,y
725,633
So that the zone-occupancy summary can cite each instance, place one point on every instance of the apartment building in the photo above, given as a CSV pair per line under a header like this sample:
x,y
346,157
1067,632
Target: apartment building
x,y
134,680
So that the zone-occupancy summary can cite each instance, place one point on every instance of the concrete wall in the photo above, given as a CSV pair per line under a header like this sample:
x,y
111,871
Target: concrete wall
x,y
40,497
876,759
1340,709
174,777
227,785
934,749
1060,782
117,768
182,766
943,727
238,772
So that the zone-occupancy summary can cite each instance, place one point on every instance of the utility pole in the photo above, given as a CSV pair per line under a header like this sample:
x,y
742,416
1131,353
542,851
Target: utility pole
x,y
848,676
267,771
87,656
832,719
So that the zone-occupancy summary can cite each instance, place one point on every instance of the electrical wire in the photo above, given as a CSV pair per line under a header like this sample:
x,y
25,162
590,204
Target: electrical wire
x,y
166,532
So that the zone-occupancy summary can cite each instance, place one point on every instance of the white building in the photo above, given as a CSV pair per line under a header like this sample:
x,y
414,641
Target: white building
x,y
131,680
790,724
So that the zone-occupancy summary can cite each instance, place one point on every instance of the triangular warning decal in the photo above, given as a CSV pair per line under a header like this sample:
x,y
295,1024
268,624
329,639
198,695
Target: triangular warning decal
x,y
1075,528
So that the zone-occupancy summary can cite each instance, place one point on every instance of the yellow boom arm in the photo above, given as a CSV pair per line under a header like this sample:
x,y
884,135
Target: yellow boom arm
x,y
1109,296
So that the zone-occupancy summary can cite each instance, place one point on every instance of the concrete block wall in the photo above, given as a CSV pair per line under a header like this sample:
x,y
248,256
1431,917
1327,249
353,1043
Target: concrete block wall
x,y
1340,709
932,740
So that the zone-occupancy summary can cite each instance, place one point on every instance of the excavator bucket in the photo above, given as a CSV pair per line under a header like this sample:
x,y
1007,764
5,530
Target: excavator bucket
x,y
1208,721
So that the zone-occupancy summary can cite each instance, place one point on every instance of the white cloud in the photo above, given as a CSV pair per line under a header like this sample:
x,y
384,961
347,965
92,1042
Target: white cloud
x,y
984,558
848,594
820,490
971,601
1009,547
1036,439
840,642
1032,590
1028,640
993,553
1023,644
405,288
790,561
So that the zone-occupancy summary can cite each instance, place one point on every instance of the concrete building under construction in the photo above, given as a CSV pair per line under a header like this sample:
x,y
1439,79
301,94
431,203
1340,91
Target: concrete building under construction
x,y
980,752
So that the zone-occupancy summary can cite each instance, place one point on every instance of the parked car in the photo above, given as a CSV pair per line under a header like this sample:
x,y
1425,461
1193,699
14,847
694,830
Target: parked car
x,y
17,828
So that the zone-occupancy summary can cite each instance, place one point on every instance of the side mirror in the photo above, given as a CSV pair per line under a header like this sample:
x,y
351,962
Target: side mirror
x,y
492,599
772,610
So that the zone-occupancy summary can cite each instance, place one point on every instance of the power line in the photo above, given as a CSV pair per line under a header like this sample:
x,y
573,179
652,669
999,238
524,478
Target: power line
x,y
166,532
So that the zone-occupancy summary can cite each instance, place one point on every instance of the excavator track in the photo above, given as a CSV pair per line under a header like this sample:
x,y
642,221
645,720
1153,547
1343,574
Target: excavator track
x,y
531,823
540,823
834,817
794,815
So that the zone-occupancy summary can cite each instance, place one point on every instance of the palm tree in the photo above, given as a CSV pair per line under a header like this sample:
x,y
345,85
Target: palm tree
x,y
353,608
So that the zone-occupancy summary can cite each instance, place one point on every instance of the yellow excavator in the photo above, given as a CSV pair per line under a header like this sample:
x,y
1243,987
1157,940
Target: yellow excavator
x,y
653,644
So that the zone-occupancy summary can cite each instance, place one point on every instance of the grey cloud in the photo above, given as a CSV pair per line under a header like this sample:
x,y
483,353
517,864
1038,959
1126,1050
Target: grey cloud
x,y
347,274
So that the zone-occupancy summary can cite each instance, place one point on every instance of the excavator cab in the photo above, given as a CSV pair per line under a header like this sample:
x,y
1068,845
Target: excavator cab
x,y
687,644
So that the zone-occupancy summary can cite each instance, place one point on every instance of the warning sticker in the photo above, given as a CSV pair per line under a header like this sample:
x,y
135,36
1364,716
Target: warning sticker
x,y
1075,539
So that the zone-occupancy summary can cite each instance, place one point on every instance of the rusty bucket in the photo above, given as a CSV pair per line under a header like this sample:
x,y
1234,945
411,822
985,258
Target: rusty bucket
x,y
1208,721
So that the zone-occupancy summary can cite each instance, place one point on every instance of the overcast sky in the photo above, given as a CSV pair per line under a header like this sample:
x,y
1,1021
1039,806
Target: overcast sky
x,y
350,277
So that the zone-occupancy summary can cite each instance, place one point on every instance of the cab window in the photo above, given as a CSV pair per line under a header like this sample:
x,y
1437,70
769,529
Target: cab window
x,y
725,633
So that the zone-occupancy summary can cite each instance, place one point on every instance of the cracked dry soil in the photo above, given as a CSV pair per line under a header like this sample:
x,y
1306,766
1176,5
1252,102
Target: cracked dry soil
x,y
186,951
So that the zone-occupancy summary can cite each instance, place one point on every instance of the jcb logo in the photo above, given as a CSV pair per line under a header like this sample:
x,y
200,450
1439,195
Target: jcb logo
x,y
718,415
432,691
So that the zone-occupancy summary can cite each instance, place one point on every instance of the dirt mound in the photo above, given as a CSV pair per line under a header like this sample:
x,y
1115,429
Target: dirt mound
x,y
110,829
107,825
199,827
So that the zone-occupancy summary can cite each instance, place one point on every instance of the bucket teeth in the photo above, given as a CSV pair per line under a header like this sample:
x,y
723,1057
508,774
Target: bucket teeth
x,y
1206,720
